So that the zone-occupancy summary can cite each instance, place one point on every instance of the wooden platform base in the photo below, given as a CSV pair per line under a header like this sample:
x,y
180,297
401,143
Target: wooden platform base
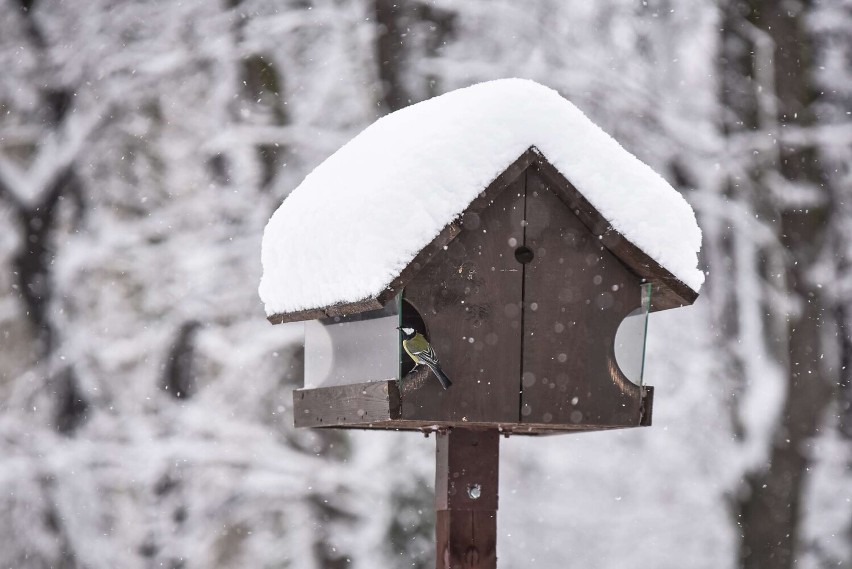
x,y
382,405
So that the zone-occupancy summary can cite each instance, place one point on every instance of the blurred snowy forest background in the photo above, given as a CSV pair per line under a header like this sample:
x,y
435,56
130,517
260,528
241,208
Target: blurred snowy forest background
x,y
145,414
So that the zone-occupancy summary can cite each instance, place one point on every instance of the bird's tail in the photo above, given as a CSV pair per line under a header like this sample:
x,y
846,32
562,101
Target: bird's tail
x,y
439,373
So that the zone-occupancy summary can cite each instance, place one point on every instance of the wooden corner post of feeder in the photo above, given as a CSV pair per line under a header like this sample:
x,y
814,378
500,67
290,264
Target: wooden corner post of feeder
x,y
536,307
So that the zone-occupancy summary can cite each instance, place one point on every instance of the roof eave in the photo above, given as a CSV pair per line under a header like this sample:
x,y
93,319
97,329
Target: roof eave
x,y
669,291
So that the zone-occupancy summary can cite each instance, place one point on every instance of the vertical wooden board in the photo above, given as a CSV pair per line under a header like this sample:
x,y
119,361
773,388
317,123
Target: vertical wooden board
x,y
464,459
466,539
470,300
576,295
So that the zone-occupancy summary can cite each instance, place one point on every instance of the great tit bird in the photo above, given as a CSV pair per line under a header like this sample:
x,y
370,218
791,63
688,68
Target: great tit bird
x,y
417,346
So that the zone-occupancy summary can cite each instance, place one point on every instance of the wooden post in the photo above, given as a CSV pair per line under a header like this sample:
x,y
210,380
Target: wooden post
x,y
466,498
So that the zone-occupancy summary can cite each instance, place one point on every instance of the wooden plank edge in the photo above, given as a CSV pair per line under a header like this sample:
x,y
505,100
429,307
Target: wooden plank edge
x,y
341,309
506,429
647,409
337,405
674,292
447,234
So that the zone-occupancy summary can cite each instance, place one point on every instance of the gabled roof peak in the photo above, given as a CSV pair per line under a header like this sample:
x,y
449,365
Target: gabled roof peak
x,y
348,232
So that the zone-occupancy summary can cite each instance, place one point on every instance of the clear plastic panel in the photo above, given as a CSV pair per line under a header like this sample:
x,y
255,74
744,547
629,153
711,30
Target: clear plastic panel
x,y
352,349
630,340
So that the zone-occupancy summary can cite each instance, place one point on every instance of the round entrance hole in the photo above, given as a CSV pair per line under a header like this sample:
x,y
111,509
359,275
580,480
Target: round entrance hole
x,y
524,254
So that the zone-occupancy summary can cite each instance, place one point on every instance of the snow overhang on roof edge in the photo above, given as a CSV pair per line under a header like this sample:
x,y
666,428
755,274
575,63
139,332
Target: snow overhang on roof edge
x,y
356,222
670,292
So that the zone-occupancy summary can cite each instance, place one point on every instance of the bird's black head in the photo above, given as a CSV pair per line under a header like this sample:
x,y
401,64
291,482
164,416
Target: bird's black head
x,y
407,333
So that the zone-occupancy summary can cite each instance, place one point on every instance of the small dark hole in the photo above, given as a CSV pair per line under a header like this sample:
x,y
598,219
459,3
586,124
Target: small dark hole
x,y
524,254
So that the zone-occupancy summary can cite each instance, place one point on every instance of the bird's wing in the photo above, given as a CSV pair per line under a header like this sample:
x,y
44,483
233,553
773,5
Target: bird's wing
x,y
428,355
419,346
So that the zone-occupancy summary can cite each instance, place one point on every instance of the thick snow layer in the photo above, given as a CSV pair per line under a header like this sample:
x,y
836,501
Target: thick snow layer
x,y
362,215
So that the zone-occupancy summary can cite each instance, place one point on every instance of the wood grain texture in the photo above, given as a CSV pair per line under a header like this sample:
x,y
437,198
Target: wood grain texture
x,y
354,404
507,429
466,540
298,316
647,409
465,457
338,407
576,295
469,297
346,309
466,528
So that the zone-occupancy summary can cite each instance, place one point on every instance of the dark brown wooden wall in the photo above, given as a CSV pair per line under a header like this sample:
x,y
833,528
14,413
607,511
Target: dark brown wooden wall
x,y
470,299
542,332
576,295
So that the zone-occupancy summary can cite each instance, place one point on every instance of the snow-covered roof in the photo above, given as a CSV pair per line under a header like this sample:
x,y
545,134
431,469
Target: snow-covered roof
x,y
355,222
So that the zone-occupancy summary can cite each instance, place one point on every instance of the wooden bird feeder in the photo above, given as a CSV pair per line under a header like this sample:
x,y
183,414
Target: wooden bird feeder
x,y
536,308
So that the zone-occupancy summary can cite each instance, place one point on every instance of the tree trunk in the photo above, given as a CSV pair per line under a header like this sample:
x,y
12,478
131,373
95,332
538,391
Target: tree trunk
x,y
391,19
33,262
768,509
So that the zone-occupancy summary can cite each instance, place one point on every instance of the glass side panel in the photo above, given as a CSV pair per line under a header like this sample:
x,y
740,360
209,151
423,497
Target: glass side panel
x,y
352,349
630,340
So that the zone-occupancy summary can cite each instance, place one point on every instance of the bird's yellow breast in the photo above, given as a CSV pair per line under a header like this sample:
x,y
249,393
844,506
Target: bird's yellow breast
x,y
407,351
416,345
